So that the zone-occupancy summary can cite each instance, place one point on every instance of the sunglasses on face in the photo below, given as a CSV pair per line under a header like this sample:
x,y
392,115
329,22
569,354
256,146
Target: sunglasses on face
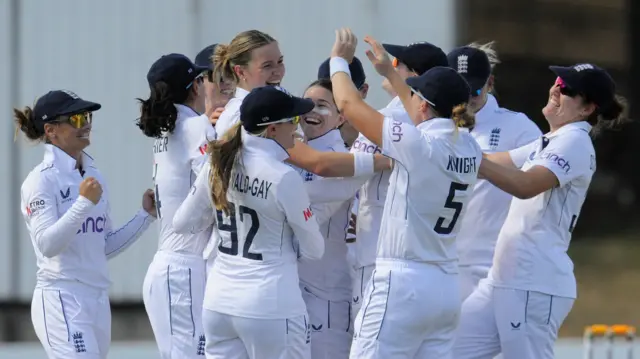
x,y
295,120
78,121
566,90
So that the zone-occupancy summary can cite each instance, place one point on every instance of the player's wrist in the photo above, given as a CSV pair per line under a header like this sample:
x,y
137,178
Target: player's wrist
x,y
338,64
363,164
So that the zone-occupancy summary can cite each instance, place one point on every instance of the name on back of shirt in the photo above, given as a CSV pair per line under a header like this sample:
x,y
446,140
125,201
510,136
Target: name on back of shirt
x,y
462,164
160,145
253,186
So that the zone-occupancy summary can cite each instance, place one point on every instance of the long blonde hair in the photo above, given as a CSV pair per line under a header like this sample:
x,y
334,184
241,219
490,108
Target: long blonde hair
x,y
238,52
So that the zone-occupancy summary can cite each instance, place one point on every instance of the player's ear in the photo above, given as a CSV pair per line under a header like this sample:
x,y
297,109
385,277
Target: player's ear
x,y
271,131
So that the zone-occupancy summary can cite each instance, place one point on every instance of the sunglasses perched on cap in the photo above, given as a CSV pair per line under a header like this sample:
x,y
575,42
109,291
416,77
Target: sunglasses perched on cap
x,y
199,79
295,120
566,90
417,93
78,120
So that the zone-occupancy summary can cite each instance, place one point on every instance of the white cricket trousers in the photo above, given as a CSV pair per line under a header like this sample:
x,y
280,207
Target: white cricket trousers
x,y
410,310
232,337
330,325
72,320
361,279
173,293
520,324
470,277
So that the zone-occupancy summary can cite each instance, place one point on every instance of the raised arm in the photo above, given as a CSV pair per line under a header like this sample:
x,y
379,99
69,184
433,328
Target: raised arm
x,y
336,164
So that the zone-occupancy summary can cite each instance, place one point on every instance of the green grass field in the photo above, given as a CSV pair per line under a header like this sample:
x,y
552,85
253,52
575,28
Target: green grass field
x,y
608,275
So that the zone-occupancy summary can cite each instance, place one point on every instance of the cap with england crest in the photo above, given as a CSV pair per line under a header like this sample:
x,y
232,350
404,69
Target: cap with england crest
x,y
271,104
473,64
591,81
60,103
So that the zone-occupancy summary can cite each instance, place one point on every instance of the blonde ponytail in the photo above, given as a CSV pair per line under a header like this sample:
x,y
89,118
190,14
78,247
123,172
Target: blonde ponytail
x,y
223,155
461,116
222,64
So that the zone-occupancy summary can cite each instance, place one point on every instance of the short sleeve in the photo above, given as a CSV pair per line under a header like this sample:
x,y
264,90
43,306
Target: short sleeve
x,y
519,155
404,142
568,157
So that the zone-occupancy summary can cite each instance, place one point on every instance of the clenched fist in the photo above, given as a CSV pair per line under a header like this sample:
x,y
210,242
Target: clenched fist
x,y
91,189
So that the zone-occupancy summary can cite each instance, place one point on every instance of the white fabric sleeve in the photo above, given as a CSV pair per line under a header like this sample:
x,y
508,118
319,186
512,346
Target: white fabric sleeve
x,y
519,155
404,143
326,190
568,157
120,239
197,136
51,235
196,213
294,201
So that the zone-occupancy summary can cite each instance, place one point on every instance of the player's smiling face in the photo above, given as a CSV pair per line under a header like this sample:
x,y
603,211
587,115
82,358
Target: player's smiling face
x,y
324,117
265,68
565,105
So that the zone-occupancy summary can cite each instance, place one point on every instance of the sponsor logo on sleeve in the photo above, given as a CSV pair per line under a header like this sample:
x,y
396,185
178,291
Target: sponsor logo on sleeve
x,y
92,225
307,213
557,159
396,131
361,145
35,206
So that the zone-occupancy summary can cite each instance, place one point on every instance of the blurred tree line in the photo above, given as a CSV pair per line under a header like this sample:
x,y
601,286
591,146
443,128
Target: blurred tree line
x,y
530,36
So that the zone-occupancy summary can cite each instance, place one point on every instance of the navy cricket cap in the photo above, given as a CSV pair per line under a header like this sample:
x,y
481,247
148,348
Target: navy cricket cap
x,y
176,70
355,67
271,104
473,64
60,103
419,57
591,81
443,88
203,58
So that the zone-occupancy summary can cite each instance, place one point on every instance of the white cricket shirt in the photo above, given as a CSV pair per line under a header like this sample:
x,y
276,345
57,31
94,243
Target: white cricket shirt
x,y
330,277
71,236
178,157
435,170
531,252
372,195
496,130
231,114
255,274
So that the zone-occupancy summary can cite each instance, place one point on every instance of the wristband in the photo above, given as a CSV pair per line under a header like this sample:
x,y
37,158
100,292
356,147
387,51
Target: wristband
x,y
362,164
338,64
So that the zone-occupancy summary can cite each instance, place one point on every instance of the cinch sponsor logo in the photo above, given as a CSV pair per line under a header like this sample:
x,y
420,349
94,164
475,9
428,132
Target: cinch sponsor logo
x,y
362,146
92,225
396,131
564,164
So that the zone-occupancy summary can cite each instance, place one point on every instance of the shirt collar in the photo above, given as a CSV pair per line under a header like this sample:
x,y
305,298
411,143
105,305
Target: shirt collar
x,y
580,125
439,124
327,139
263,146
489,108
185,111
61,160
241,93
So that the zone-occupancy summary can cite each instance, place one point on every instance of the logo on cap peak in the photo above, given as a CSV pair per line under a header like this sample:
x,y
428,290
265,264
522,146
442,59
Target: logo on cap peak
x,y
582,67
463,64
71,94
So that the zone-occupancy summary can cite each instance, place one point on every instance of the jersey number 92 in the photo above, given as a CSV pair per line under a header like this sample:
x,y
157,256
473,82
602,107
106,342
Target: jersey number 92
x,y
228,223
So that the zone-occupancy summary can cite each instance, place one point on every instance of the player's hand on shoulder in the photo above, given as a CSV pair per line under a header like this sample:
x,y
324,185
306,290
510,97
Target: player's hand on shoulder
x,y
91,189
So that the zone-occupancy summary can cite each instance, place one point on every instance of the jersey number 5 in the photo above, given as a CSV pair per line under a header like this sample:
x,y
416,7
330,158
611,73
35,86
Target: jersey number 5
x,y
450,203
231,227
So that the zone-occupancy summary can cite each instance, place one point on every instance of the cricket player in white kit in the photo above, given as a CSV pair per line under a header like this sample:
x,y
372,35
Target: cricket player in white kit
x,y
173,288
435,164
326,283
253,305
496,130
531,287
65,204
